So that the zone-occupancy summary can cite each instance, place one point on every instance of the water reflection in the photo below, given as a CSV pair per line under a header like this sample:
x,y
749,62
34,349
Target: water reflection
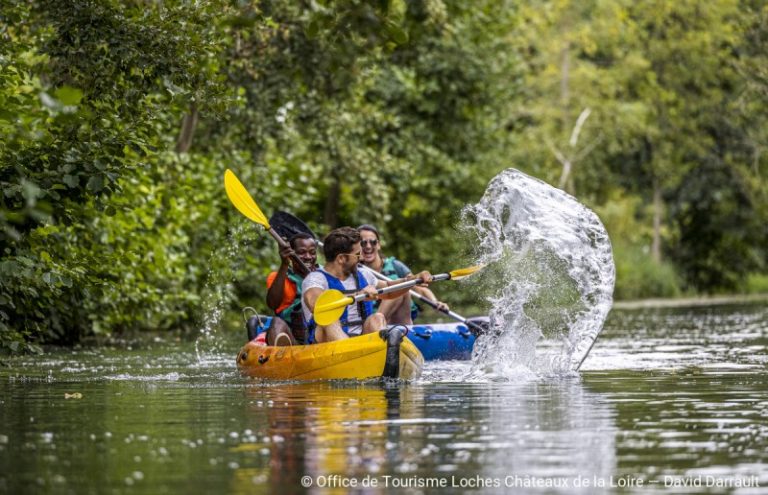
x,y
321,429
697,421
402,434
557,430
664,393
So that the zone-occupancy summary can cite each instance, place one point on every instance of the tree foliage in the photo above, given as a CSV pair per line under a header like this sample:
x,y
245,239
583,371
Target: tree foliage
x,y
91,94
342,112
673,90
118,118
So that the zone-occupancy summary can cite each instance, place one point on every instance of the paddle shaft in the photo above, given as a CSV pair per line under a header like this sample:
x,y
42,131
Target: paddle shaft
x,y
432,304
429,302
587,353
402,285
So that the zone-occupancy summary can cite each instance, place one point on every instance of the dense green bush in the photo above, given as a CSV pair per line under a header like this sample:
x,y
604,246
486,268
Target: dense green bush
x,y
342,114
92,239
118,118
756,283
638,276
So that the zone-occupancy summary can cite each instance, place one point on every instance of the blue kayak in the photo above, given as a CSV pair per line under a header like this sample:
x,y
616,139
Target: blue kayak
x,y
435,341
442,341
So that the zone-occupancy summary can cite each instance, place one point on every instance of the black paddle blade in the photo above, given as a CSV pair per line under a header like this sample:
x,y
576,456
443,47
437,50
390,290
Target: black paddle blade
x,y
480,325
288,225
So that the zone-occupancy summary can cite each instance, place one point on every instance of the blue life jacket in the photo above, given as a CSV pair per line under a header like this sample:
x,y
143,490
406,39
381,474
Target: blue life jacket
x,y
364,308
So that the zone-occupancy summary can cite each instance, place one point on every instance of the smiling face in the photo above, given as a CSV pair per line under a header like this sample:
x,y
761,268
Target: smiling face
x,y
306,250
370,245
352,258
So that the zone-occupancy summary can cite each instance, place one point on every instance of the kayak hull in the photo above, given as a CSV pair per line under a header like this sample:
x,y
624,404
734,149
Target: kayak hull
x,y
443,341
435,341
359,358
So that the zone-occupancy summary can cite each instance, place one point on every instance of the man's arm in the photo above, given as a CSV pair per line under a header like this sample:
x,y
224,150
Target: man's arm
x,y
277,289
310,297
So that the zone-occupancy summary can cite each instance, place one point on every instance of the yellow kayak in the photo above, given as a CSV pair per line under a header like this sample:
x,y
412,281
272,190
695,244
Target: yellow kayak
x,y
386,353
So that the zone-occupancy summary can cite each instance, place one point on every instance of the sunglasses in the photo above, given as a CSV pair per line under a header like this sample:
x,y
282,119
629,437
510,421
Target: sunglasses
x,y
372,242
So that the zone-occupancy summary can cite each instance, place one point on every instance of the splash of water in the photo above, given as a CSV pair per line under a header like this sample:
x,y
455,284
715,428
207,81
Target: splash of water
x,y
550,277
217,294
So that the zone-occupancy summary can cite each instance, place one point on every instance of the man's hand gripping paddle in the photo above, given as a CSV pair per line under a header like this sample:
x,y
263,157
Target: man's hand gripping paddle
x,y
330,305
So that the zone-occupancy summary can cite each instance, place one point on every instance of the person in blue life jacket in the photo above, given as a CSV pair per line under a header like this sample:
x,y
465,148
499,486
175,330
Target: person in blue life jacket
x,y
342,272
402,311
284,288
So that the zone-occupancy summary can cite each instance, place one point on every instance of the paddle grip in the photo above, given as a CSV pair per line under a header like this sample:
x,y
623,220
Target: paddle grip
x,y
429,302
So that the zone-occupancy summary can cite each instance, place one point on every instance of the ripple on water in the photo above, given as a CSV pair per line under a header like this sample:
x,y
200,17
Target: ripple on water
x,y
683,338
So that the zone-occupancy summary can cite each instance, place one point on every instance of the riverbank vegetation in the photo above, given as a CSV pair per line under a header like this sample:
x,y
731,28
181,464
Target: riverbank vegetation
x,y
118,118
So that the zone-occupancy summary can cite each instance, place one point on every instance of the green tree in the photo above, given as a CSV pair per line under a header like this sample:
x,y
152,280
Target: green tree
x,y
645,97
91,91
123,116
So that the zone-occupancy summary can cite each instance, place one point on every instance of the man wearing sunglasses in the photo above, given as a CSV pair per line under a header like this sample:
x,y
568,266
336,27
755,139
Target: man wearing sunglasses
x,y
342,272
400,311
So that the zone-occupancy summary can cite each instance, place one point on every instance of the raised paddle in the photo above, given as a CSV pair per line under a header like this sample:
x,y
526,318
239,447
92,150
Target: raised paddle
x,y
289,225
245,204
330,305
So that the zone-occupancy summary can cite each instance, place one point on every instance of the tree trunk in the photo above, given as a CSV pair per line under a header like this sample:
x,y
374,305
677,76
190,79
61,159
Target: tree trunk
x,y
657,212
188,124
565,177
565,70
332,201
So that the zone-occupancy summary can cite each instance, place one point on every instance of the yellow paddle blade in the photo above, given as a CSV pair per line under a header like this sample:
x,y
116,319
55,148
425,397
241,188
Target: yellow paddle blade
x,y
330,306
243,201
465,272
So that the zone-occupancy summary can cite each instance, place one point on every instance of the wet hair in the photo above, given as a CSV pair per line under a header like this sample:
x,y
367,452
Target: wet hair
x,y
296,237
340,241
369,228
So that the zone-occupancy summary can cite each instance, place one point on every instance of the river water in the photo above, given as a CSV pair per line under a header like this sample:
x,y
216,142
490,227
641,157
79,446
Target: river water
x,y
671,400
